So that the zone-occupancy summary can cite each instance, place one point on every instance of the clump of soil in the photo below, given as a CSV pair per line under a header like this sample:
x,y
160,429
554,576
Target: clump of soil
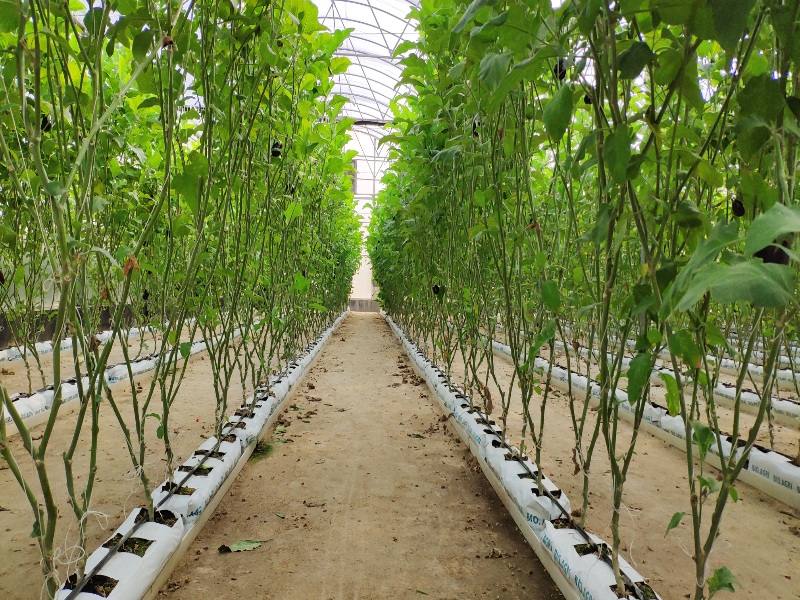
x,y
134,545
180,490
200,470
99,585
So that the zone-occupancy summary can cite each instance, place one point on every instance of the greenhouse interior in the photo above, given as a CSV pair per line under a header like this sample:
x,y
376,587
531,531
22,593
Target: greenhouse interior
x,y
322,299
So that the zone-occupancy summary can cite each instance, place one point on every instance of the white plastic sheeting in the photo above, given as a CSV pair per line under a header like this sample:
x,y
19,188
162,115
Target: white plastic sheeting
x,y
379,27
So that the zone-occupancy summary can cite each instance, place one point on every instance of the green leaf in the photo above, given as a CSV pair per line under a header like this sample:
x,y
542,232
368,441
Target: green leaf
x,y
241,545
682,344
493,68
654,336
551,296
558,113
9,16
54,188
599,231
674,521
186,349
669,65
588,16
187,185
7,235
634,59
733,494
730,19
763,285
687,214
470,13
703,437
142,44
293,211
708,483
761,98
638,375
778,220
147,103
301,284
674,12
446,154
172,337
709,174
245,545
721,580
617,154
721,236
673,395
93,20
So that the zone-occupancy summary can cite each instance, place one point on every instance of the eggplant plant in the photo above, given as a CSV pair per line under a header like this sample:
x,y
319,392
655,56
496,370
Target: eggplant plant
x,y
615,178
139,186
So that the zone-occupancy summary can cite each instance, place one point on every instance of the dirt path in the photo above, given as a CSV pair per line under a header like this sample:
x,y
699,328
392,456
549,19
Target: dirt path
x,y
365,494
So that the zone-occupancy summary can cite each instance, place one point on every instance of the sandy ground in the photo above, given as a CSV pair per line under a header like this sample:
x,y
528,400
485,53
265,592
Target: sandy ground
x,y
366,493
759,539
117,490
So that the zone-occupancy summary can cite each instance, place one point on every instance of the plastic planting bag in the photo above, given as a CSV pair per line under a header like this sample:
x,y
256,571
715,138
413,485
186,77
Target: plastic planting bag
x,y
133,573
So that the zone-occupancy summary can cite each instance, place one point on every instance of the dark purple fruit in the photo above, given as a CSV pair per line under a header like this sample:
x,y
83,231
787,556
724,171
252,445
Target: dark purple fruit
x,y
47,124
2,278
773,254
476,122
276,149
560,70
587,99
737,207
436,289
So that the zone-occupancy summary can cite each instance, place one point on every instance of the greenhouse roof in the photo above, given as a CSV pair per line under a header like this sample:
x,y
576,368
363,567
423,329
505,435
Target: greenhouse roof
x,y
379,27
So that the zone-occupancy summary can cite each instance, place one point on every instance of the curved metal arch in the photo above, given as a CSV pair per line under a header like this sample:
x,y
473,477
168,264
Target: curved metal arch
x,y
369,67
363,76
374,43
361,87
375,9
372,111
367,98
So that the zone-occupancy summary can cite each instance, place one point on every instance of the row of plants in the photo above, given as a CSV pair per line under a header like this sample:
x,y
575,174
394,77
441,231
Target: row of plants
x,y
179,166
593,174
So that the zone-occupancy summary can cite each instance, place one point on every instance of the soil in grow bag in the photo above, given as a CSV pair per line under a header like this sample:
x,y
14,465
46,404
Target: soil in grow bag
x,y
562,523
199,470
179,490
99,585
631,589
214,454
239,425
244,412
230,438
134,545
162,517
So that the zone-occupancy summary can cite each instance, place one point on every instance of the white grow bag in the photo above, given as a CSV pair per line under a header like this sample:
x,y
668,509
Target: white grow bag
x,y
205,486
586,576
134,574
770,472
